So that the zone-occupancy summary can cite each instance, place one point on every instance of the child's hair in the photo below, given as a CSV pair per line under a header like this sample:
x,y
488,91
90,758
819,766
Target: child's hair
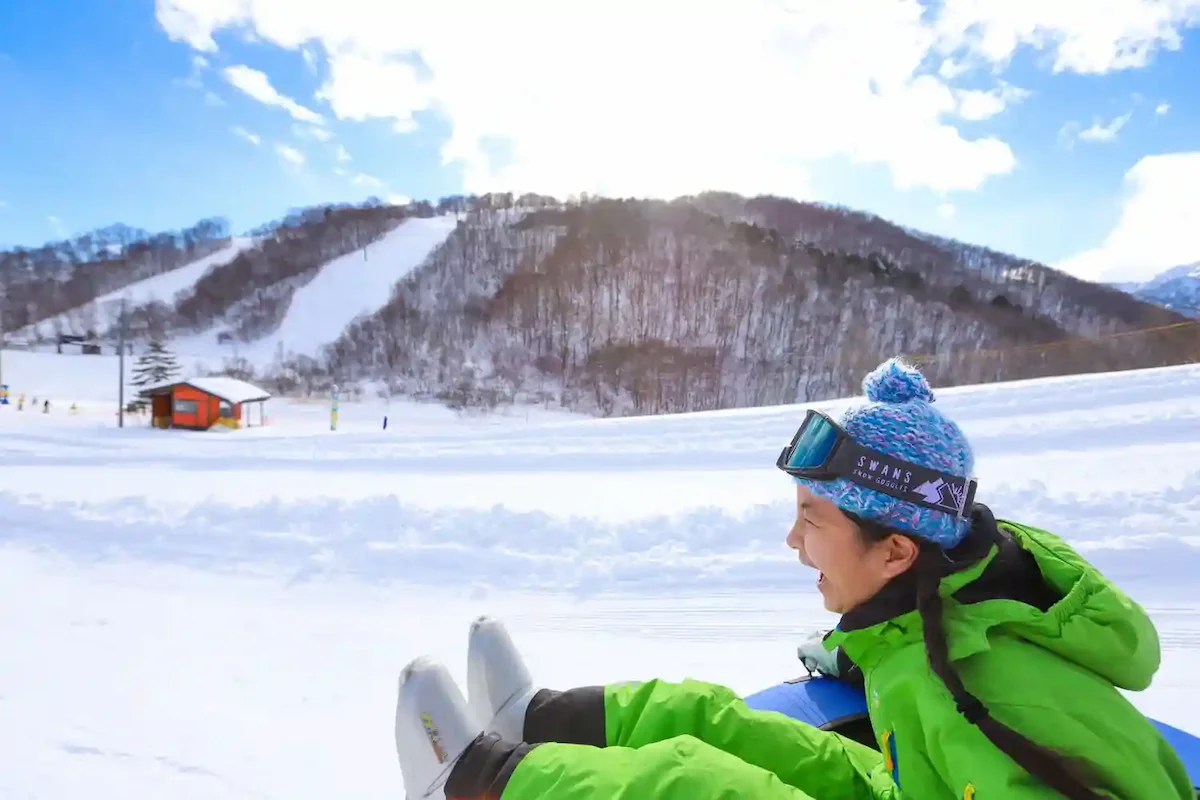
x,y
1046,765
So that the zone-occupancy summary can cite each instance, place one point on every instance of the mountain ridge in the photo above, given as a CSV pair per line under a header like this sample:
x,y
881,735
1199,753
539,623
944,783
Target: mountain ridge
x,y
1177,288
629,305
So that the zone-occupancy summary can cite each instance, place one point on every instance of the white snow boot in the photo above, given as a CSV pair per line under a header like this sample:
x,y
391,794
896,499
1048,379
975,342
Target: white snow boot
x,y
433,728
498,682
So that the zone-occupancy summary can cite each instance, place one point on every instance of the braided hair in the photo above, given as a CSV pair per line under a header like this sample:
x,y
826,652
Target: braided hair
x,y
1048,766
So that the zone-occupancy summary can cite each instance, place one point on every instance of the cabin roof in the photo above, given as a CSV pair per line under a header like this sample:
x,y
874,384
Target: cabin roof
x,y
231,390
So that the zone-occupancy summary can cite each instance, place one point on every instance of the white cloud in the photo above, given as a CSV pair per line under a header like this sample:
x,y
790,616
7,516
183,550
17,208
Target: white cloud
x,y
310,59
60,230
1072,131
1158,223
242,133
951,69
785,84
363,87
376,186
1068,133
194,79
213,99
1100,132
1082,36
292,158
368,181
342,153
312,132
976,105
1161,109
946,210
257,85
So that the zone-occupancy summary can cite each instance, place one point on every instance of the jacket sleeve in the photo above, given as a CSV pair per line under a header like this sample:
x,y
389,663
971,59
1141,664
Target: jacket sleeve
x,y
820,763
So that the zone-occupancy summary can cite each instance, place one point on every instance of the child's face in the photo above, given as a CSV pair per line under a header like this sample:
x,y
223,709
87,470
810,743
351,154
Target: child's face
x,y
852,570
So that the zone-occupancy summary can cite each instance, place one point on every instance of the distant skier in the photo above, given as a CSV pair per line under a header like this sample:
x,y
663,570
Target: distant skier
x,y
991,651
46,407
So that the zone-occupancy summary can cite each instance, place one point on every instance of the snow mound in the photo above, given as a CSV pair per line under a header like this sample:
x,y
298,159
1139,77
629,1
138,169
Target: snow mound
x,y
246,600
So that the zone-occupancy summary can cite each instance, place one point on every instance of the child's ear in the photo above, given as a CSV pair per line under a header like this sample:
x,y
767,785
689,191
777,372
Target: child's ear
x,y
900,553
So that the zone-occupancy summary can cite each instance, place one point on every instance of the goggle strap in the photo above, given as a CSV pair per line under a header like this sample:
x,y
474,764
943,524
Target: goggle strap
x,y
844,462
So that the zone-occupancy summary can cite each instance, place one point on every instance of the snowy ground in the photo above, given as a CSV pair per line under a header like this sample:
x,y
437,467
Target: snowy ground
x,y
224,615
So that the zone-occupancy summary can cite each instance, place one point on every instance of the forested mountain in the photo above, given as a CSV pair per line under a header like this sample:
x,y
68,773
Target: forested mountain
x,y
1177,288
646,306
38,283
60,288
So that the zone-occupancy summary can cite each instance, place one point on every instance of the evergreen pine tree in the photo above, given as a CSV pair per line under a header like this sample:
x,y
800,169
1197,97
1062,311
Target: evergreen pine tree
x,y
155,366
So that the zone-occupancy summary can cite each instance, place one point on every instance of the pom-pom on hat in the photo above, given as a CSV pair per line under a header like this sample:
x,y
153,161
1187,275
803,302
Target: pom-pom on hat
x,y
899,419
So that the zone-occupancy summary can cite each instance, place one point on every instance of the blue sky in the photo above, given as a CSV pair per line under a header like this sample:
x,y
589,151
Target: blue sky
x,y
131,111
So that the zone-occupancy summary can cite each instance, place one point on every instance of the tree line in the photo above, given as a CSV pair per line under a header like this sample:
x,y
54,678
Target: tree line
x,y
627,306
41,282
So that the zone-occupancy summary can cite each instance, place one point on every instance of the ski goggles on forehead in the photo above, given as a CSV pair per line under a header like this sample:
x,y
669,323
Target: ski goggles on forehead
x,y
821,450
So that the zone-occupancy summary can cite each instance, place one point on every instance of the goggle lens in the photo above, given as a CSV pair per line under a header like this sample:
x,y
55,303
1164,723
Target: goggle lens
x,y
814,443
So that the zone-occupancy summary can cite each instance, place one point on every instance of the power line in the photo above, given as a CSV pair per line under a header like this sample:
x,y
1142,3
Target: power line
x,y
1083,340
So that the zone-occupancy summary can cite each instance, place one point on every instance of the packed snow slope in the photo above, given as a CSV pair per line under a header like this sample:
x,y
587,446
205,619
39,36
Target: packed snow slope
x,y
354,285
162,288
204,615
344,289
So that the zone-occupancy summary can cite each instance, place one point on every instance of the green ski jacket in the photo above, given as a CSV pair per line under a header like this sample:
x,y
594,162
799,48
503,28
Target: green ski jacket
x,y
1049,673
1035,632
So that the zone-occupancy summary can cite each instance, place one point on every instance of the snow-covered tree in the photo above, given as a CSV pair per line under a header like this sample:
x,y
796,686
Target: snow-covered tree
x,y
155,366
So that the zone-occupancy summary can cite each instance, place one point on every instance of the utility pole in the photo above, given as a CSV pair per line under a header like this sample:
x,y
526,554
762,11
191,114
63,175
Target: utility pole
x,y
121,366
3,300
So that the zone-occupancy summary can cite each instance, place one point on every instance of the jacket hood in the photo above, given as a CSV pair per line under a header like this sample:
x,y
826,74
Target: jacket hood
x,y
1010,578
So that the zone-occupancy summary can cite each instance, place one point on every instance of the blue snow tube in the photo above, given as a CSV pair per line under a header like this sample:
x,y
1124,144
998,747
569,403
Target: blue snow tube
x,y
833,705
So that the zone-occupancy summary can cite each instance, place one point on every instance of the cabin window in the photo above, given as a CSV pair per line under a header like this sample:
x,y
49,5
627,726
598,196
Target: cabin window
x,y
225,410
186,407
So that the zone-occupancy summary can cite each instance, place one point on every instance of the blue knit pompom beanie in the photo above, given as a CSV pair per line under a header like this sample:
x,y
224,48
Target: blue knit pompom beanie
x,y
899,420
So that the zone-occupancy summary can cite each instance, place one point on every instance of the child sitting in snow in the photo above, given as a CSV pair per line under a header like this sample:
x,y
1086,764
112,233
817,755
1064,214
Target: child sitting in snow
x,y
991,654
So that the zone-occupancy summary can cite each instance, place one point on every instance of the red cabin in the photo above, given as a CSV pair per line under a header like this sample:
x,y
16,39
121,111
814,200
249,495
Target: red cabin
x,y
200,403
